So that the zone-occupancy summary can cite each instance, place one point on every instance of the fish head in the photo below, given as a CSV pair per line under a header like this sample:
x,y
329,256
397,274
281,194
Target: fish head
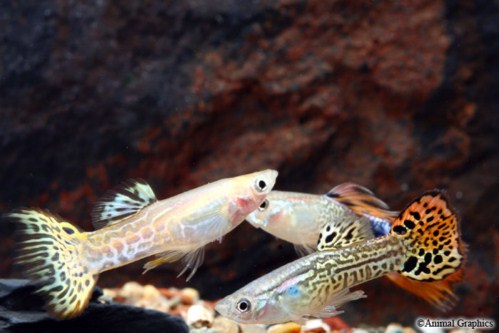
x,y
273,213
251,190
247,307
276,297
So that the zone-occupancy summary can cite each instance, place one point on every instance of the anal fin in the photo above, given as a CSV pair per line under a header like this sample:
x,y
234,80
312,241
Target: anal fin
x,y
192,260
163,258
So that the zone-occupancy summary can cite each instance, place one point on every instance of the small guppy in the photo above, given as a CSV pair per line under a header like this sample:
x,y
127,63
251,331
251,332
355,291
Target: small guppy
x,y
131,224
299,217
423,245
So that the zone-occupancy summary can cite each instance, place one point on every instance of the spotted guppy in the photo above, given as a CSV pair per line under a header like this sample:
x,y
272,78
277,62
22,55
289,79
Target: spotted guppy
x,y
424,245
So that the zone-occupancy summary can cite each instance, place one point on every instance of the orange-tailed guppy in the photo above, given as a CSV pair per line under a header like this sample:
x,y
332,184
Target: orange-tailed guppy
x,y
423,245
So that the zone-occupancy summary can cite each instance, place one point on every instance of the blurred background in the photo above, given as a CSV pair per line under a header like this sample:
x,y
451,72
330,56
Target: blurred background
x,y
398,96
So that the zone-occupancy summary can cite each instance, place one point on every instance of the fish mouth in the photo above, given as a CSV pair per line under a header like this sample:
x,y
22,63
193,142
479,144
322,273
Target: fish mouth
x,y
222,307
271,177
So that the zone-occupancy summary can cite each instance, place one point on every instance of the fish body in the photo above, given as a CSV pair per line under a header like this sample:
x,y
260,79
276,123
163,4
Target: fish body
x,y
182,223
295,217
423,245
133,225
299,217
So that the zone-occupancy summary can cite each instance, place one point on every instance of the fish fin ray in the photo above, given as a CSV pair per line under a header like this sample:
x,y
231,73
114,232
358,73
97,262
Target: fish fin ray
x,y
361,201
122,202
436,253
347,230
438,293
326,312
303,249
344,296
52,256
192,260
163,258
336,300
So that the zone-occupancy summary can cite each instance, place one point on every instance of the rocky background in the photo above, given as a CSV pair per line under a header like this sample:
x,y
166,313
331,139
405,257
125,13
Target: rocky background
x,y
399,96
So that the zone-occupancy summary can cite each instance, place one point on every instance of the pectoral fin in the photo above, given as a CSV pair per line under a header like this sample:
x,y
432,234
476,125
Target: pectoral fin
x,y
344,296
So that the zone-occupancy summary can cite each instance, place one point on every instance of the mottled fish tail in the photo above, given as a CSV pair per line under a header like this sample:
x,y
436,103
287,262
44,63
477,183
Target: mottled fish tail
x,y
435,252
51,253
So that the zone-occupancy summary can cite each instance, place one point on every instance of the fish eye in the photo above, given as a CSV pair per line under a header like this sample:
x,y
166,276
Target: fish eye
x,y
243,305
264,205
261,185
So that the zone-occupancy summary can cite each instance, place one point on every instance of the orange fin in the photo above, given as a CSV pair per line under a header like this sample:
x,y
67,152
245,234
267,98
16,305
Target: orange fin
x,y
361,201
437,293
436,254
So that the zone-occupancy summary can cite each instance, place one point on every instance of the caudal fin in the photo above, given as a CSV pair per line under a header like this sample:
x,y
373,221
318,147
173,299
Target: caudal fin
x,y
51,253
436,254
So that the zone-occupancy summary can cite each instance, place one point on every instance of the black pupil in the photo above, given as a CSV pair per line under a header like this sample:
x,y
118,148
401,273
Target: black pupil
x,y
243,306
261,184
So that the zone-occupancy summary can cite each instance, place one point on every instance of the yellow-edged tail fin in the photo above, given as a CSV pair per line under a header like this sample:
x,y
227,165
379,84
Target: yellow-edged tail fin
x,y
361,201
51,253
436,254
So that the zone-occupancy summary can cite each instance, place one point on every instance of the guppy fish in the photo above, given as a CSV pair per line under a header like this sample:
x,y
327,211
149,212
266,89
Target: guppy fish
x,y
424,245
299,217
133,225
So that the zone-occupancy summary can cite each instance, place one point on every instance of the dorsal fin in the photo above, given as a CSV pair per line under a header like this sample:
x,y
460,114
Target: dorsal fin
x,y
344,231
361,200
121,202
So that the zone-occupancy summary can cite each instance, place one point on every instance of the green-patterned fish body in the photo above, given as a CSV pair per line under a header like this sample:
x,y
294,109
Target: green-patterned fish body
x,y
316,285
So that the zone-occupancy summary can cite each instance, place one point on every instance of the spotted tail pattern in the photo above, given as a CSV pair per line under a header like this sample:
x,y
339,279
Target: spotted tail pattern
x,y
51,253
435,252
